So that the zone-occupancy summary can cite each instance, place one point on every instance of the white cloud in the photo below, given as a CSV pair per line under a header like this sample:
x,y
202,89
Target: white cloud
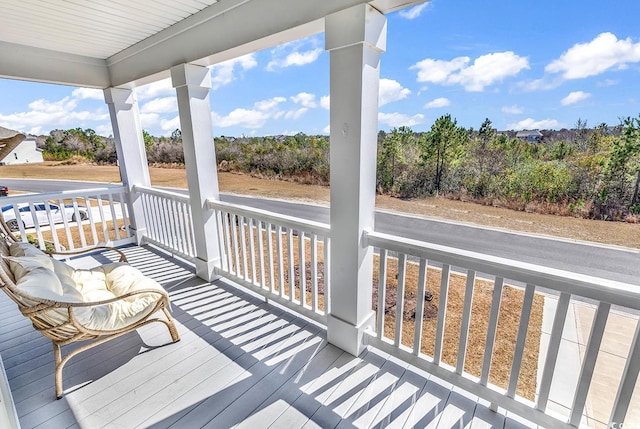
x,y
574,97
413,12
88,93
241,117
400,119
295,114
486,70
512,110
252,118
540,84
439,71
296,53
46,106
325,102
155,89
603,53
104,130
391,90
326,130
169,125
305,99
295,58
149,120
269,104
160,105
532,124
224,73
34,131
491,68
608,82
46,114
438,102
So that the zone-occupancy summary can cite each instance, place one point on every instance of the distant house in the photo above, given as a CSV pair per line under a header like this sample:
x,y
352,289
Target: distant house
x,y
529,136
16,148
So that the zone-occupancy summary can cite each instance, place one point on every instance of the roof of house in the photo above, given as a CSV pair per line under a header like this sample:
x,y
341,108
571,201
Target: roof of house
x,y
9,140
528,133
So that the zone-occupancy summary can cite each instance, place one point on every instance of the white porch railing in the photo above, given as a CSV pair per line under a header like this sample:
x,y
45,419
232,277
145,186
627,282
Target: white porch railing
x,y
283,258
168,221
286,260
483,274
70,220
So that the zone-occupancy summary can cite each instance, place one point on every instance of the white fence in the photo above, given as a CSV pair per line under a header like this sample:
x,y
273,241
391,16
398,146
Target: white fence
x,y
474,275
70,220
283,258
168,220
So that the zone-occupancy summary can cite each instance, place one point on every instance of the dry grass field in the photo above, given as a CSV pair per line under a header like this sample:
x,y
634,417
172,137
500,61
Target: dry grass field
x,y
615,233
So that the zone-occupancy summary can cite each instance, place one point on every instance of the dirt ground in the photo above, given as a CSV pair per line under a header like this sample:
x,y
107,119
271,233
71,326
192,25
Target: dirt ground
x,y
614,233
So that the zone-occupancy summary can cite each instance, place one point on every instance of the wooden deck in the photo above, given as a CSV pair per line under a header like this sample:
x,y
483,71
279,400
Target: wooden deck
x,y
240,363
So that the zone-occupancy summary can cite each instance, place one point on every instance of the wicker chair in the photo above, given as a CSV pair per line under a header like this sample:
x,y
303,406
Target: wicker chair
x,y
66,320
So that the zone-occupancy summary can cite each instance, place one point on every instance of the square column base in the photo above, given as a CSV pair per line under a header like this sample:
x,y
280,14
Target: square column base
x,y
139,235
206,269
348,337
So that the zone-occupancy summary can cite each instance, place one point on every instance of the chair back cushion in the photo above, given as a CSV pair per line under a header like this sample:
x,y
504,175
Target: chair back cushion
x,y
35,276
39,276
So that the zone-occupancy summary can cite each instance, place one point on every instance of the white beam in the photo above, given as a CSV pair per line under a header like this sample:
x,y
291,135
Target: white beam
x,y
192,84
224,30
42,65
132,158
229,29
388,6
355,38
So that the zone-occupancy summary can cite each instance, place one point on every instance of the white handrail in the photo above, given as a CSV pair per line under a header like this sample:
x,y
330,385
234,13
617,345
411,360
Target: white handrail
x,y
162,193
79,224
270,217
168,220
599,289
503,271
268,253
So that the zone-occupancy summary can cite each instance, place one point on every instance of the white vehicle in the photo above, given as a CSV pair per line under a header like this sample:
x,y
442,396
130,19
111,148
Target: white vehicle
x,y
39,215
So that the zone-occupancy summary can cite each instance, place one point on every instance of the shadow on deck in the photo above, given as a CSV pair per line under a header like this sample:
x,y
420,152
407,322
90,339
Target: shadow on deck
x,y
241,362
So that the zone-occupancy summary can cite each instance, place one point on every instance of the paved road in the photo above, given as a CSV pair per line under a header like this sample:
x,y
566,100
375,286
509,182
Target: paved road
x,y
600,261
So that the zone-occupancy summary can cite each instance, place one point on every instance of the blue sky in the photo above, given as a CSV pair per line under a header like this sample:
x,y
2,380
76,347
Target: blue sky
x,y
524,65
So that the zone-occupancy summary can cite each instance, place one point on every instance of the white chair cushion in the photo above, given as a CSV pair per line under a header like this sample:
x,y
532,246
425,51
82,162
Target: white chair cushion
x,y
35,276
110,281
43,283
24,249
28,249
22,265
41,276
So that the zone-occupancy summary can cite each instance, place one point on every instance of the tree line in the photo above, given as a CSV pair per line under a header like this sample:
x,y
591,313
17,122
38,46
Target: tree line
x,y
62,145
584,172
591,173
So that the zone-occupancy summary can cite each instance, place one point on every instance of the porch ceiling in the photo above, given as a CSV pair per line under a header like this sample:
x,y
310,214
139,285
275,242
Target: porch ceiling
x,y
92,44
94,29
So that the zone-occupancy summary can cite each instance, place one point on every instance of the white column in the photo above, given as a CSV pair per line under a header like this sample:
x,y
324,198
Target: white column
x,y
192,84
132,158
355,37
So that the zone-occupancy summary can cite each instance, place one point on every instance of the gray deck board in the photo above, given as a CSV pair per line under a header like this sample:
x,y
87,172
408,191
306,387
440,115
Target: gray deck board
x,y
240,363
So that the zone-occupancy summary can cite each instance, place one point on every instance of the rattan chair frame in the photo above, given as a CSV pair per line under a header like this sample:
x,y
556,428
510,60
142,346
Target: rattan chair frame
x,y
71,330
